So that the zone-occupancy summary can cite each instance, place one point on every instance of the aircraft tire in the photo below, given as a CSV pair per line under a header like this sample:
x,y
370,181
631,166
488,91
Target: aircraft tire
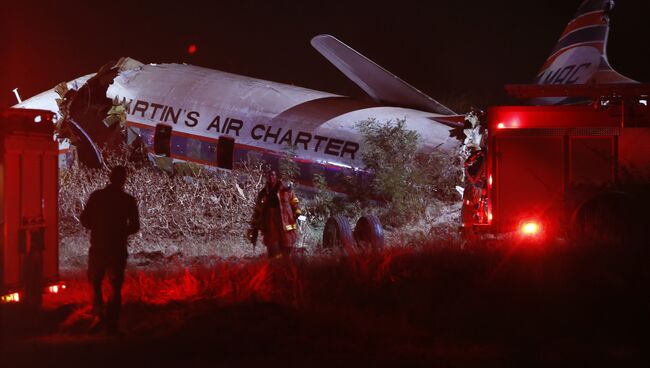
x,y
337,233
368,233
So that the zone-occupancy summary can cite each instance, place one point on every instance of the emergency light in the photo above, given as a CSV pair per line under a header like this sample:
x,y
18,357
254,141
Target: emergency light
x,y
10,298
530,228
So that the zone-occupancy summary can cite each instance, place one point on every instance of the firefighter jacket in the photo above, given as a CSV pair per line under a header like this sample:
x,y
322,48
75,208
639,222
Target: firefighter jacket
x,y
282,197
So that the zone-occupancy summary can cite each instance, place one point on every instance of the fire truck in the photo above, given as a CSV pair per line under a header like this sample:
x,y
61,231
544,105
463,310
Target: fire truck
x,y
578,172
28,206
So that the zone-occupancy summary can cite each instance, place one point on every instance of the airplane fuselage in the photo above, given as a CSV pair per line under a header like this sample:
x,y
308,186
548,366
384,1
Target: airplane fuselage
x,y
261,120
210,104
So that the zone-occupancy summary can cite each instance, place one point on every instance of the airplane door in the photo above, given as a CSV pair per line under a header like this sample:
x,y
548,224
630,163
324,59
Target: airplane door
x,y
225,151
162,140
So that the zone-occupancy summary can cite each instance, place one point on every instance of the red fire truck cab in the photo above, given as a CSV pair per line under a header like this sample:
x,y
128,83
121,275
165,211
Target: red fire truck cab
x,y
28,206
567,171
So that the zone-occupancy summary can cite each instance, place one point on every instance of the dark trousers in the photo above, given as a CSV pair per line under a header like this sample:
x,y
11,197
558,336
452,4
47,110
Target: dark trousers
x,y
100,264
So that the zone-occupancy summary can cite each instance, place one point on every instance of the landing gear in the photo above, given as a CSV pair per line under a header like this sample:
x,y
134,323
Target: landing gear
x,y
368,233
337,233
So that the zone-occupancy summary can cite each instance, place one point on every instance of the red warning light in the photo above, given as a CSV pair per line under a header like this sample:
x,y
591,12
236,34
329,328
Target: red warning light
x,y
10,298
56,288
191,49
530,228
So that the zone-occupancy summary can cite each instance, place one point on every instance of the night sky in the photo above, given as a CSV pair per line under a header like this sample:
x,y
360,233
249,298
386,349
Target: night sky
x,y
459,52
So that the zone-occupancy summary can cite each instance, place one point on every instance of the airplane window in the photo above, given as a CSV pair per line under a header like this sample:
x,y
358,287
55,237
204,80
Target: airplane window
x,y
162,140
225,150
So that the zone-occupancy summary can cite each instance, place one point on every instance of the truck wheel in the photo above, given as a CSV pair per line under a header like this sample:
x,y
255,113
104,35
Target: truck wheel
x,y
337,233
369,233
608,219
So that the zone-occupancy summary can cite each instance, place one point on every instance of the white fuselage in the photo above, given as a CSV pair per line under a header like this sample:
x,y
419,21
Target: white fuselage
x,y
203,105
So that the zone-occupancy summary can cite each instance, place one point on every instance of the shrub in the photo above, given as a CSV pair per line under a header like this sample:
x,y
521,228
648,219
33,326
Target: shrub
x,y
406,180
288,168
325,203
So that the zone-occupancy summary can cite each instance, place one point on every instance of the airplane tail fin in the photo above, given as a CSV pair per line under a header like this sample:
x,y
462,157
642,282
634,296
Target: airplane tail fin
x,y
580,56
377,82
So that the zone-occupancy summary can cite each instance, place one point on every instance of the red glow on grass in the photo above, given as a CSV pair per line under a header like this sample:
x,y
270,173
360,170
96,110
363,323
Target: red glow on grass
x,y
261,281
191,49
278,281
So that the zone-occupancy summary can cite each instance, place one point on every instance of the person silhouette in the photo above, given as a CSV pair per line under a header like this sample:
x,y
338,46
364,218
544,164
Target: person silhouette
x,y
111,215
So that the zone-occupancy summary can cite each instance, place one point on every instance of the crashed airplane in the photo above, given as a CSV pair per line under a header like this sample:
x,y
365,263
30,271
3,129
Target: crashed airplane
x,y
189,113
215,118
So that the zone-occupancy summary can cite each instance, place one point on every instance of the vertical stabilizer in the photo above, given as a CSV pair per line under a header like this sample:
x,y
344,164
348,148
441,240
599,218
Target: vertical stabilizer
x,y
580,56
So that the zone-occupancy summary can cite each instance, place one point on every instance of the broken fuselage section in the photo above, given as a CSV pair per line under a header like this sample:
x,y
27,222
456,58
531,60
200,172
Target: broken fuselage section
x,y
179,112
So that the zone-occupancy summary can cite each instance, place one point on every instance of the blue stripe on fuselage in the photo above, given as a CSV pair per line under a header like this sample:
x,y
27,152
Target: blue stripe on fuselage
x,y
204,152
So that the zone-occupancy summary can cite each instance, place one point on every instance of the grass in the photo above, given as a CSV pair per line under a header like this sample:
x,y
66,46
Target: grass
x,y
204,298
413,305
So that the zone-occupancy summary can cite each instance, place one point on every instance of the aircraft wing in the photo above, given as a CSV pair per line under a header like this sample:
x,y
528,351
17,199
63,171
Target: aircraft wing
x,y
377,82
452,121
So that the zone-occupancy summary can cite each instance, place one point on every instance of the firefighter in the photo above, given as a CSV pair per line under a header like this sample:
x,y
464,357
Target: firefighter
x,y
275,214
111,215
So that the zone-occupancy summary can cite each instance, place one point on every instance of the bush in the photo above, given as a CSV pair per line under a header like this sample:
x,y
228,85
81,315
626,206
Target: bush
x,y
406,180
325,203
288,168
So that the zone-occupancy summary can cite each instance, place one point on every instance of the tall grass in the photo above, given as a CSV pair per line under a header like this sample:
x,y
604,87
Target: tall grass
x,y
437,286
204,210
